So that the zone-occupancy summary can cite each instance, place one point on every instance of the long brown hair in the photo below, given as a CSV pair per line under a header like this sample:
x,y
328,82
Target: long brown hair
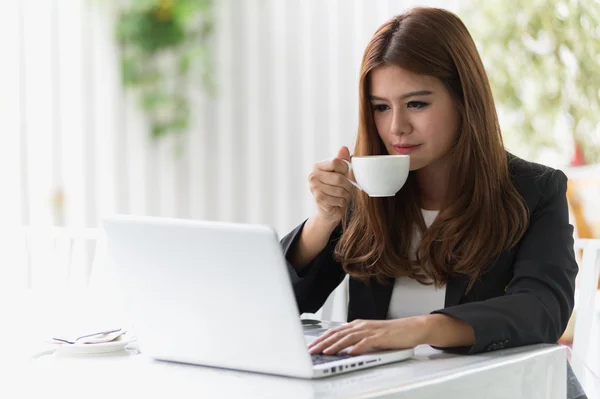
x,y
483,214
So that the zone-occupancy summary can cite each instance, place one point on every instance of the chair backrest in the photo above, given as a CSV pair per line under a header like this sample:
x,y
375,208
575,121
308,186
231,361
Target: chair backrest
x,y
588,251
335,307
49,257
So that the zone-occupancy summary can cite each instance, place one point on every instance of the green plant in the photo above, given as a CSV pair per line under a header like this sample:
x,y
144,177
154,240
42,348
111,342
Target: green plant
x,y
165,45
542,59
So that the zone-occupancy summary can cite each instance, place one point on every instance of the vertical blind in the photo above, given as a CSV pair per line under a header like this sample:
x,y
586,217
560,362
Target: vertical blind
x,y
75,146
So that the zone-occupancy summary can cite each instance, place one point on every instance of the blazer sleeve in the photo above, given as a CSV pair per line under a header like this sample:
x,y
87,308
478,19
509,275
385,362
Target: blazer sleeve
x,y
313,284
540,297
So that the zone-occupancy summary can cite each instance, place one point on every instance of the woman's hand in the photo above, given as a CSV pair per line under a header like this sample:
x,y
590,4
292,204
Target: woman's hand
x,y
361,336
330,187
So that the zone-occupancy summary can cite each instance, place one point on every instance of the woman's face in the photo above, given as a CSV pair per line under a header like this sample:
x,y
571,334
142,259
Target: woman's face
x,y
414,115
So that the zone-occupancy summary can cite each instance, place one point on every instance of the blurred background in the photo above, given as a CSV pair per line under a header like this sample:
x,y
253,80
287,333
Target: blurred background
x,y
218,109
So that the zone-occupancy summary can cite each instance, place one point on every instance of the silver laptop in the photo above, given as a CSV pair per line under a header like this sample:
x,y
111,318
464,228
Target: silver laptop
x,y
218,294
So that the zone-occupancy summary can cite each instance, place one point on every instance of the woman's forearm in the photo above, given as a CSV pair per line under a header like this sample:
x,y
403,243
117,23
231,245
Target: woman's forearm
x,y
313,239
446,331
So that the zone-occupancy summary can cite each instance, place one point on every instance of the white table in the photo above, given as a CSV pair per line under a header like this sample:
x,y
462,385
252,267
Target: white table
x,y
531,372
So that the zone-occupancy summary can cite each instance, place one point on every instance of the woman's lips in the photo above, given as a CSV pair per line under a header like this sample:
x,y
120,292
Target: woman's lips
x,y
405,148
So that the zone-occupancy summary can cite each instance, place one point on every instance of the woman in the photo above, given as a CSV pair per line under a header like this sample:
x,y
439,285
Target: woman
x,y
475,252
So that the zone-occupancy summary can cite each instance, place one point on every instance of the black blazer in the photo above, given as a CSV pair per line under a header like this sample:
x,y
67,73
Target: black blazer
x,y
525,297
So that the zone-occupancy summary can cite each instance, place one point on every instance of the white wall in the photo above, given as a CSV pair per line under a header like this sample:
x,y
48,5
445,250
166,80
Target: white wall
x,y
287,97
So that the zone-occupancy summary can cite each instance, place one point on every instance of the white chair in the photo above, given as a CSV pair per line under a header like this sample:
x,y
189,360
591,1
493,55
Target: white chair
x,y
58,279
586,337
49,257
335,307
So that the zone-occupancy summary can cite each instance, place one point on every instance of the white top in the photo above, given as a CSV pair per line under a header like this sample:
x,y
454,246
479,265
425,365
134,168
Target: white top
x,y
411,298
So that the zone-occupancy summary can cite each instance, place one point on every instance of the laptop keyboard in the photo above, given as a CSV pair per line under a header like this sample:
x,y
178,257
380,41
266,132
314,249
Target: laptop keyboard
x,y
320,359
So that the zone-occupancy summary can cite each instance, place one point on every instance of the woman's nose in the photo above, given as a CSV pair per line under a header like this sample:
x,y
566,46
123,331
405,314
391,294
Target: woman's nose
x,y
400,125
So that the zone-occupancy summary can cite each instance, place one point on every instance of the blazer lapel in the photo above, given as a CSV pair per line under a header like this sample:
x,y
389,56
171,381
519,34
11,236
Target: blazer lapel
x,y
455,289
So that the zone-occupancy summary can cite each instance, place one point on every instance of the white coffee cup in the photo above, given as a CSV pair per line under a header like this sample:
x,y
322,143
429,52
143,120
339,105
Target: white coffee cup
x,y
379,175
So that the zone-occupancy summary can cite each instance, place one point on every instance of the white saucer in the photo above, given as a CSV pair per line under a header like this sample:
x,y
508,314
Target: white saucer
x,y
104,347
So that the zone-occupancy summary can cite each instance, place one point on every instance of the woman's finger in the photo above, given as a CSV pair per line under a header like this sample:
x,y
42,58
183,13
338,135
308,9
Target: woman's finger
x,y
325,336
360,324
328,334
334,191
324,199
363,346
335,179
332,165
329,340
348,340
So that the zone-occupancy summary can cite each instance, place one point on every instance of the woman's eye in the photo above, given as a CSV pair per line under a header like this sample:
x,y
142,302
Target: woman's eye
x,y
416,104
380,107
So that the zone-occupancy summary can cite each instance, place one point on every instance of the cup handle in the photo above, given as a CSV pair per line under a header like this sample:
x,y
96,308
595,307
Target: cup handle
x,y
355,184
